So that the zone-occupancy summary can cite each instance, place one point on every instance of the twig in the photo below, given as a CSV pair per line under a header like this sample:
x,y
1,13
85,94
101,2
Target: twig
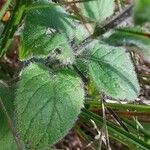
x,y
118,119
10,124
78,48
114,115
100,30
71,2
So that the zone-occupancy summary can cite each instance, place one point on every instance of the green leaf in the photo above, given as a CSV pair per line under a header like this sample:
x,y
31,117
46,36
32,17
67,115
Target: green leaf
x,y
131,36
63,51
46,28
112,71
47,104
7,141
98,10
142,11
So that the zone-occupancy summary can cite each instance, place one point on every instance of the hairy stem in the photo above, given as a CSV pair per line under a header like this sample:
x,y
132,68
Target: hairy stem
x,y
100,30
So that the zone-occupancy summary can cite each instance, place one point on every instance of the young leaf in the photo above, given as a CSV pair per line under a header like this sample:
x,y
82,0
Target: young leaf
x,y
131,36
47,104
7,141
142,11
44,26
112,70
98,10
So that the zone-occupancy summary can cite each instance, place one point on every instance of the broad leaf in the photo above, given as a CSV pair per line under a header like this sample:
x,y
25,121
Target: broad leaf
x,y
46,28
112,71
7,141
142,11
47,104
131,36
98,10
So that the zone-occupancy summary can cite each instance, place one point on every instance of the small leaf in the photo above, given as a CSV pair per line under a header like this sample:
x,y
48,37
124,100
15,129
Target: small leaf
x,y
7,141
142,11
98,10
112,70
131,36
44,26
47,104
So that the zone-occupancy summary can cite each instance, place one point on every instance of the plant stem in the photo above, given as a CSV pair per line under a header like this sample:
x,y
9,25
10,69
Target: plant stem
x,y
12,25
100,30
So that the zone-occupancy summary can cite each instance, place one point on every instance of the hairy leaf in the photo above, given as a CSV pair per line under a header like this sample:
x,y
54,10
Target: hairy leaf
x,y
131,36
6,138
47,104
62,51
142,11
98,10
46,28
112,70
